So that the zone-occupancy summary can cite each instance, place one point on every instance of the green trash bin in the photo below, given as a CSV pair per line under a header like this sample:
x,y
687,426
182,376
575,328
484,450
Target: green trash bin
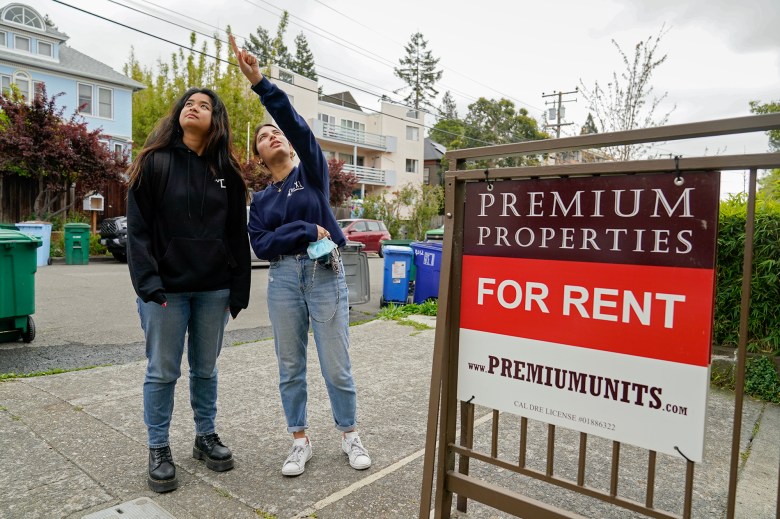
x,y
76,243
18,264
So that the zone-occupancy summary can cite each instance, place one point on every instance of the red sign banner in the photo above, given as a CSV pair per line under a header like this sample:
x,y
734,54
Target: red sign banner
x,y
589,301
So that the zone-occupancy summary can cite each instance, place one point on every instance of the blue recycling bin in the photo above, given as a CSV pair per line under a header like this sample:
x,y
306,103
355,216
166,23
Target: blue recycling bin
x,y
427,261
398,265
40,230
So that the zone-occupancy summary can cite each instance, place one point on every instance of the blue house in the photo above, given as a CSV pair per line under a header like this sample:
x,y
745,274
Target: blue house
x,y
34,52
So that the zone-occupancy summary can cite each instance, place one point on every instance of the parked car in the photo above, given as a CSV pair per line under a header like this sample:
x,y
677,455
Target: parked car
x,y
113,236
368,232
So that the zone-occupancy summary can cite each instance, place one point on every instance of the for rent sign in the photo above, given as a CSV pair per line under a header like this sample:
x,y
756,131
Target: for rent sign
x,y
587,303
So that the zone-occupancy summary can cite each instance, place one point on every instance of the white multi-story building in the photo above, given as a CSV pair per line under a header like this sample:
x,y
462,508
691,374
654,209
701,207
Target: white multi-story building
x,y
383,149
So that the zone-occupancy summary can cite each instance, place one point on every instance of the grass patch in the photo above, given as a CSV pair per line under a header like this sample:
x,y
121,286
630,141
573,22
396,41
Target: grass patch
x,y
397,312
761,379
223,493
55,371
414,324
265,515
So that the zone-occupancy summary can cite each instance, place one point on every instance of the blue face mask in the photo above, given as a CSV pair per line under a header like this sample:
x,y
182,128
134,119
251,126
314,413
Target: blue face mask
x,y
320,248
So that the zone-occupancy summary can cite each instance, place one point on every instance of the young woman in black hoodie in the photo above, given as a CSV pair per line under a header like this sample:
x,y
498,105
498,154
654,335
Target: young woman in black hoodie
x,y
188,254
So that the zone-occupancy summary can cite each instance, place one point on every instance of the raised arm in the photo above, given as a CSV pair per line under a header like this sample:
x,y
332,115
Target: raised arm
x,y
290,122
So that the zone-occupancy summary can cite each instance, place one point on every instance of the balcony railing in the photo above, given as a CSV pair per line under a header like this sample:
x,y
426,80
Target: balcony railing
x,y
377,177
351,136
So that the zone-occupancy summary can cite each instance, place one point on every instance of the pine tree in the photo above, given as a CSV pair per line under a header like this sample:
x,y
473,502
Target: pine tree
x,y
418,70
448,110
270,50
303,63
589,126
259,44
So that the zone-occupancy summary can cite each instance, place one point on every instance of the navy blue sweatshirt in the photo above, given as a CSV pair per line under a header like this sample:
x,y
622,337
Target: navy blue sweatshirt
x,y
285,222
186,230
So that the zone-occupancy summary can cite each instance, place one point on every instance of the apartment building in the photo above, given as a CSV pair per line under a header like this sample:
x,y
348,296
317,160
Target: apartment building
x,y
384,148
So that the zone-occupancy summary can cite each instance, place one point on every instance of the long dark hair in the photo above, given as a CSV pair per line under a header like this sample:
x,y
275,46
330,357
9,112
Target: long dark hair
x,y
218,153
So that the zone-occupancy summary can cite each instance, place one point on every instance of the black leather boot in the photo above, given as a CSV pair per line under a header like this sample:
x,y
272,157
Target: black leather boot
x,y
209,447
162,471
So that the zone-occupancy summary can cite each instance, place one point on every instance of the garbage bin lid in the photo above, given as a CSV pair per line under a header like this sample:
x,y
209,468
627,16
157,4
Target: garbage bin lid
x,y
76,225
397,248
9,236
428,245
353,246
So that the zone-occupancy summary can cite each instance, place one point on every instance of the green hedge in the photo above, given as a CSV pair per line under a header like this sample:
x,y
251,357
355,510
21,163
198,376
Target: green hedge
x,y
764,317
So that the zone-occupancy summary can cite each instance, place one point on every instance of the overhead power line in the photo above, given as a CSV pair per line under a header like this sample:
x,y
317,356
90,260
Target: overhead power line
x,y
146,33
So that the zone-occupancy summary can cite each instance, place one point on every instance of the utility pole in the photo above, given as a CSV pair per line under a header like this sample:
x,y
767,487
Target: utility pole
x,y
558,109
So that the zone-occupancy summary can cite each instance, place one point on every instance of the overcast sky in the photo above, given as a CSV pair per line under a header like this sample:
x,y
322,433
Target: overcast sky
x,y
721,53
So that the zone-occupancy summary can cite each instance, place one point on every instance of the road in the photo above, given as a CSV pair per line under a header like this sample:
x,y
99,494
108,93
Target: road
x,y
86,315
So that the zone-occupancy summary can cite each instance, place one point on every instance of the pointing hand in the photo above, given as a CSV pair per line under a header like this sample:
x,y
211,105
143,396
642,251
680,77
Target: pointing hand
x,y
246,62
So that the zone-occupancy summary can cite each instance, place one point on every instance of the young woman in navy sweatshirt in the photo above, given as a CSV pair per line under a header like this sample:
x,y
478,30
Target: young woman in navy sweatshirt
x,y
188,254
284,219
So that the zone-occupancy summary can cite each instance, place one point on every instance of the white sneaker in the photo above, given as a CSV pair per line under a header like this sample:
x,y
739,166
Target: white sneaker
x,y
358,455
296,460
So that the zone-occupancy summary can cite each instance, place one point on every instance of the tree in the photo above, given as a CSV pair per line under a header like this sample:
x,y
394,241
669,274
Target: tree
x,y
589,126
303,63
420,203
628,102
768,108
498,122
448,110
418,70
271,51
450,133
38,143
769,185
193,68
342,183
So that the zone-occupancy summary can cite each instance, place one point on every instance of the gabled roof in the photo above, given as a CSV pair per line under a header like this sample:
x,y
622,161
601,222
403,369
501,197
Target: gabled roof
x,y
74,63
341,99
433,150
34,17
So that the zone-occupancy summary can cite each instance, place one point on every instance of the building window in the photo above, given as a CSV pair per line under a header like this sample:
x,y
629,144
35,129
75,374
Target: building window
x,y
45,49
38,87
414,114
85,99
285,76
412,133
22,43
327,119
353,125
426,175
118,149
23,16
5,84
23,83
411,165
105,103
3,39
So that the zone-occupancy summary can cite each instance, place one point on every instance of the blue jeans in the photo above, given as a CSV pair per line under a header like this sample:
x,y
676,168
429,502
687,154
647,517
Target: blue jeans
x,y
300,290
203,316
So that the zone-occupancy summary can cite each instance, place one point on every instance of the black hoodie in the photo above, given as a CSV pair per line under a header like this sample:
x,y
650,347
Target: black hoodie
x,y
186,230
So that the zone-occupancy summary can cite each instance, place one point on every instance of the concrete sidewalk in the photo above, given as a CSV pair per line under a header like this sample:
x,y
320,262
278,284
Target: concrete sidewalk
x,y
74,445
